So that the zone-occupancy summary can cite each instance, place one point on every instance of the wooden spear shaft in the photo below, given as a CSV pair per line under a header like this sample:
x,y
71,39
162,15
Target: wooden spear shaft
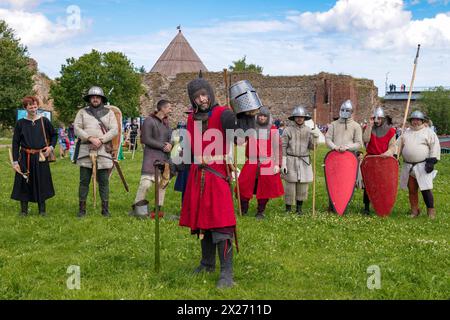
x,y
157,236
314,158
408,104
411,88
238,193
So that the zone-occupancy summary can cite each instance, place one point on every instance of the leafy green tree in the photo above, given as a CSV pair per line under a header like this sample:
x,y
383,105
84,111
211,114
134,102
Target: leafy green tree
x,y
15,74
112,71
436,104
242,66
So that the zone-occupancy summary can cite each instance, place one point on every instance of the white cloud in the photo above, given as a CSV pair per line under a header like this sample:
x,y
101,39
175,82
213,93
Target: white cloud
x,y
378,24
35,28
20,4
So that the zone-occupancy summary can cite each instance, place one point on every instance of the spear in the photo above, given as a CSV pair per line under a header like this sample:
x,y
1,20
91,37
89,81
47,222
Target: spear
x,y
238,193
314,156
408,104
157,237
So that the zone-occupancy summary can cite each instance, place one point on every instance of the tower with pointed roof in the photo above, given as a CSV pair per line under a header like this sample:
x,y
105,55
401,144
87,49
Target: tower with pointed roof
x,y
179,57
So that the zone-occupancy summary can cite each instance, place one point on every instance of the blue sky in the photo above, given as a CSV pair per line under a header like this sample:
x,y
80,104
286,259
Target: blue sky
x,y
364,38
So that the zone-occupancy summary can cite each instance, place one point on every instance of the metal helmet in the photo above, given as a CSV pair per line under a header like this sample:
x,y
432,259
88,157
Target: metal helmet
x,y
95,91
417,115
300,111
264,111
379,113
244,98
346,110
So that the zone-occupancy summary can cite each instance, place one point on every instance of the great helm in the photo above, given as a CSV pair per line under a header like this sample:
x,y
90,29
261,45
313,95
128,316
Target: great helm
x,y
417,115
346,110
95,91
300,111
244,98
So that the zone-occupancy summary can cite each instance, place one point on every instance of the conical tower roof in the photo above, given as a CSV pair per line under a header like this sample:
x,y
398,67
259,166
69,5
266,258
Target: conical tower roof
x,y
178,57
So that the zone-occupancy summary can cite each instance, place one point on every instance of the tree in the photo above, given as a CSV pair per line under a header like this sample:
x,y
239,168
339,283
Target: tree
x,y
112,71
242,66
15,74
436,104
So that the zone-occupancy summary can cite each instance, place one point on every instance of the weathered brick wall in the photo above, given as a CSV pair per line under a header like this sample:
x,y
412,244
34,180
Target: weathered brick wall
x,y
396,109
280,93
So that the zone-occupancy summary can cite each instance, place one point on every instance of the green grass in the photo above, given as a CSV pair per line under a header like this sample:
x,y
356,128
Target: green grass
x,y
283,257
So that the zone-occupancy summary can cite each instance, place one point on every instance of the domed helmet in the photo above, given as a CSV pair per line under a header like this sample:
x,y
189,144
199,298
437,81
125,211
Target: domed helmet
x,y
417,115
95,91
379,113
300,111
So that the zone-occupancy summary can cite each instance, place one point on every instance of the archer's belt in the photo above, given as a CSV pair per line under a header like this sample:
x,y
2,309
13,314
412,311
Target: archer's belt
x,y
30,152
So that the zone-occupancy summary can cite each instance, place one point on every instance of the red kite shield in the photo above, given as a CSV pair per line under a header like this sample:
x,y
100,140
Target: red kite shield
x,y
341,171
380,175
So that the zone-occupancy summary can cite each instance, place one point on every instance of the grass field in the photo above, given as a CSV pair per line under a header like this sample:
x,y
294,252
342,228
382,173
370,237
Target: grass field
x,y
282,257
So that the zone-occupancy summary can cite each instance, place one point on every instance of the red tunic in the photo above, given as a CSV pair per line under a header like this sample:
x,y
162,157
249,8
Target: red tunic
x,y
269,186
212,207
379,145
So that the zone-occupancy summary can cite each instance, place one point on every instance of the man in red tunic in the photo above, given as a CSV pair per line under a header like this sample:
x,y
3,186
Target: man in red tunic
x,y
260,175
208,203
380,139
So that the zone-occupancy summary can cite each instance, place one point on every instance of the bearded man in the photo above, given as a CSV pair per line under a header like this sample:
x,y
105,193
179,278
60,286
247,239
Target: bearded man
x,y
208,208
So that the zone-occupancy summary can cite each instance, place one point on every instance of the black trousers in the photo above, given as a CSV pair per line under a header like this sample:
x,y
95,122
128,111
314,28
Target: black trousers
x,y
85,180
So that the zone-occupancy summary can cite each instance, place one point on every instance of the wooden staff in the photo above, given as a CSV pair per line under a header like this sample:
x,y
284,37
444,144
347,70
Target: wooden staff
x,y
93,156
157,237
238,193
314,156
408,104
135,147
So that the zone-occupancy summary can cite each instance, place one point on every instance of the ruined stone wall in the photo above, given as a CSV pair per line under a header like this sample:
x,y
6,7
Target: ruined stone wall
x,y
280,93
396,109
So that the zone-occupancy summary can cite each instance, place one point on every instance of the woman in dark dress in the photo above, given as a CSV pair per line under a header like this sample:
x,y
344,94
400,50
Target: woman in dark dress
x,y
29,147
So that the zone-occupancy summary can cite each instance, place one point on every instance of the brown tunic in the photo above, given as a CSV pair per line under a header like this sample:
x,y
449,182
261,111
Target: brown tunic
x,y
155,133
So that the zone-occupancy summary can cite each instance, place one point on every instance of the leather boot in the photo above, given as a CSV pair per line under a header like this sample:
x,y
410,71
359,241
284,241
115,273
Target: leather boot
x,y
262,203
225,249
82,210
244,206
23,208
208,262
432,213
42,211
299,207
288,208
105,209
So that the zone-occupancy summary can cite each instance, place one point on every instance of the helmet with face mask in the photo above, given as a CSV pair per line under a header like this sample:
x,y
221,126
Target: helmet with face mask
x,y
243,97
346,110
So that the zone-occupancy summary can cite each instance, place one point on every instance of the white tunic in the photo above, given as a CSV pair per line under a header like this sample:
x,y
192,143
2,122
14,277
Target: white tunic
x,y
417,146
